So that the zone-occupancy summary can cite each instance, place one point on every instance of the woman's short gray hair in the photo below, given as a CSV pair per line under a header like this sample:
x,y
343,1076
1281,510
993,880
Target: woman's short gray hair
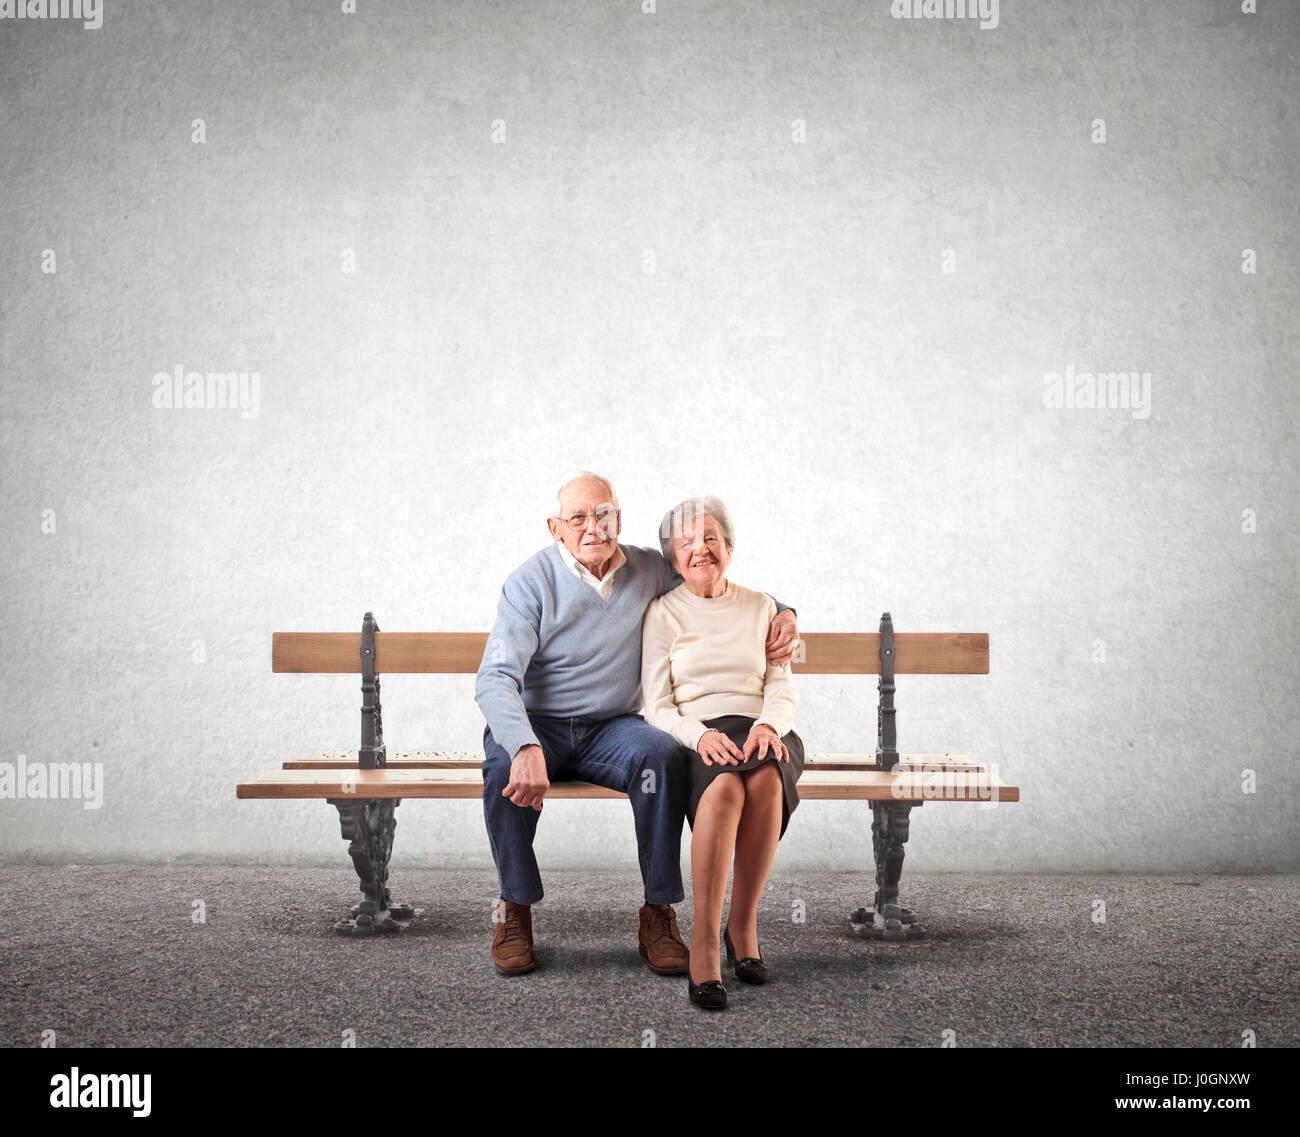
x,y
677,518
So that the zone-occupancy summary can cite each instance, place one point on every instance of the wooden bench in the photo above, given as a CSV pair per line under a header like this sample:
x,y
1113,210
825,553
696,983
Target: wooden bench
x,y
366,785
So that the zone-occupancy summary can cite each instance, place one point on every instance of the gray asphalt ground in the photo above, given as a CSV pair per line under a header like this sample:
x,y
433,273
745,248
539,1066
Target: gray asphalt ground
x,y
110,955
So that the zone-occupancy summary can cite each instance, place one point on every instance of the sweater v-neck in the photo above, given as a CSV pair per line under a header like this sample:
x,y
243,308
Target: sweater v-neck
x,y
604,600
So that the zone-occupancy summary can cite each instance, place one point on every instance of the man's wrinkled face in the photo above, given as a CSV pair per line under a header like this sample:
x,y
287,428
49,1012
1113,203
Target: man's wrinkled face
x,y
588,523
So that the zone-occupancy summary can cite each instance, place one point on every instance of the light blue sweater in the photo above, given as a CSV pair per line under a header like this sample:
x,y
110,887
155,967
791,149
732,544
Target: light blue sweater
x,y
558,649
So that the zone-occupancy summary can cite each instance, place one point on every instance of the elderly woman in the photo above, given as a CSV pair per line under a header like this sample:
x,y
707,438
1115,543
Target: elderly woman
x,y
707,682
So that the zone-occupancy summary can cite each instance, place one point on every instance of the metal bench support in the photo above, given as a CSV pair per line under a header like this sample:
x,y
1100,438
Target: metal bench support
x,y
368,824
887,920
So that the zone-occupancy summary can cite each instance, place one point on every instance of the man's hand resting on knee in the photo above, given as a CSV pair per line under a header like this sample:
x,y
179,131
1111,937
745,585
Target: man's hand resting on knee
x,y
528,781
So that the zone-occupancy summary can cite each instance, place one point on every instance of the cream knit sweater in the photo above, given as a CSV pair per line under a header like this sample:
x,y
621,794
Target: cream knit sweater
x,y
701,658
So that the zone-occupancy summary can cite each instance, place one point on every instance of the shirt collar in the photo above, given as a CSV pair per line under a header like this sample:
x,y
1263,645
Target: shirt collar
x,y
583,572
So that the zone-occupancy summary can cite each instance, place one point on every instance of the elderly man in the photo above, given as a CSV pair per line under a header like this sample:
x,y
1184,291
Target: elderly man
x,y
560,688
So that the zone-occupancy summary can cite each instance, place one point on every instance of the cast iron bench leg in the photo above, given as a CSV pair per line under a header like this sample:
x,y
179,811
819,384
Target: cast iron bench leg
x,y
368,825
888,920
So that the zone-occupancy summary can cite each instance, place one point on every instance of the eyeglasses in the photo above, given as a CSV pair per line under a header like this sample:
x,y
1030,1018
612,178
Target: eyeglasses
x,y
605,516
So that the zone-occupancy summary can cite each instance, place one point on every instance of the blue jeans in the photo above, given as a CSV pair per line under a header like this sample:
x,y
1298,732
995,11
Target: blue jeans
x,y
624,753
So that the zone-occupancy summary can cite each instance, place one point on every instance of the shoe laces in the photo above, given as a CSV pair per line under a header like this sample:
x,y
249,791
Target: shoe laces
x,y
514,921
668,919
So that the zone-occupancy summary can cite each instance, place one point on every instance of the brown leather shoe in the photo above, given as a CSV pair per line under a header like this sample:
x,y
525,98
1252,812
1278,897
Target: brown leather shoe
x,y
661,942
512,941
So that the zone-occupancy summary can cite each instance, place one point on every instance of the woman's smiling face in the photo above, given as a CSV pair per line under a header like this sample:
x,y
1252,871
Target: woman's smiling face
x,y
702,554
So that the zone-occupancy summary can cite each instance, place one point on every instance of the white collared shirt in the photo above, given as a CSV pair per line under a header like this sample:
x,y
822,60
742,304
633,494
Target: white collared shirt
x,y
602,586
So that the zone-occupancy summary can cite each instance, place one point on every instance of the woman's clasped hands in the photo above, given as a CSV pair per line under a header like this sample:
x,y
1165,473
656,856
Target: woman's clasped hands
x,y
714,747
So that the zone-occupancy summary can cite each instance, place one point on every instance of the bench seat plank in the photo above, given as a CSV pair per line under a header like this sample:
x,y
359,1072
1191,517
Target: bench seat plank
x,y
843,785
467,760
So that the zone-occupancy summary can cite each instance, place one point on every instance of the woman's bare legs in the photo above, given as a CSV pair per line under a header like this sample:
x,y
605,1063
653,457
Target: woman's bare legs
x,y
756,838
713,843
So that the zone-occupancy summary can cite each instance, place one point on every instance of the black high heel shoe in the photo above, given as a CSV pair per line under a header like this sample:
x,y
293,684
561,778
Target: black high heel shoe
x,y
710,994
749,969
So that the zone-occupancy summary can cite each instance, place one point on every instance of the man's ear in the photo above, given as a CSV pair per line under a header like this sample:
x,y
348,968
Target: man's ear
x,y
554,527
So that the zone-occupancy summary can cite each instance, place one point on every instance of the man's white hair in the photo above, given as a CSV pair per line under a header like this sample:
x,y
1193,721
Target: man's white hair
x,y
579,476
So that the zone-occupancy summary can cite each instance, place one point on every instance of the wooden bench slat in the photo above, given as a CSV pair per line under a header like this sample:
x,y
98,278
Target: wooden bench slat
x,y
915,653
824,653
856,785
465,760
425,653
392,783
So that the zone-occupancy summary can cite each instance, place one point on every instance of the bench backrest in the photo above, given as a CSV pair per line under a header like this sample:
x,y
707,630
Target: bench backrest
x,y
823,653
372,653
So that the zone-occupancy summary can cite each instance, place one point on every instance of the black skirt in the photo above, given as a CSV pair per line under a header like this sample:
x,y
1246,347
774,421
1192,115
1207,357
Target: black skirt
x,y
737,728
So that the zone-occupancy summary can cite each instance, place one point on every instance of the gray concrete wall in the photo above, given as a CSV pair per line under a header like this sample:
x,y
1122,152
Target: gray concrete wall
x,y
813,258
